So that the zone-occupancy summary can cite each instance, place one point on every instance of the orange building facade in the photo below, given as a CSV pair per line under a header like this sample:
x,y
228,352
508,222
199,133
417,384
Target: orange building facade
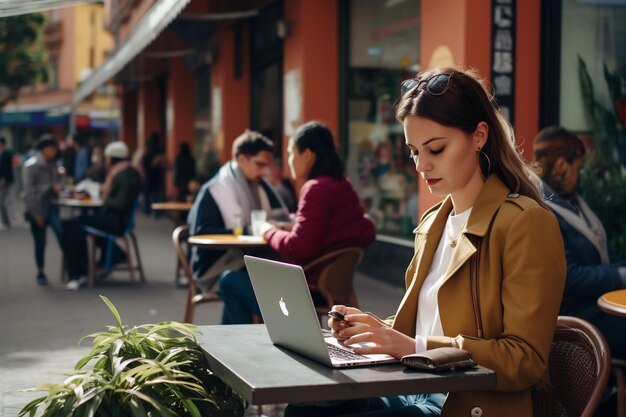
x,y
223,66
77,43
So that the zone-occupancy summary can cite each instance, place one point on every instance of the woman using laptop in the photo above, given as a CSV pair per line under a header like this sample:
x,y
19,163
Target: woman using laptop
x,y
329,217
489,268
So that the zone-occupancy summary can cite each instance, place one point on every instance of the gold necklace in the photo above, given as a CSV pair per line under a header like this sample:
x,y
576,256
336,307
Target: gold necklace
x,y
451,238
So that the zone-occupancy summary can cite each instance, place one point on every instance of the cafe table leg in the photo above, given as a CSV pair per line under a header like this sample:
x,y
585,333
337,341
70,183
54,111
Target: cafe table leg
x,y
91,257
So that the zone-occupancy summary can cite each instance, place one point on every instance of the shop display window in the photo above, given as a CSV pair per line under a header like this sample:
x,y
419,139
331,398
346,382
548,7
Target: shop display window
x,y
383,51
593,31
207,148
592,103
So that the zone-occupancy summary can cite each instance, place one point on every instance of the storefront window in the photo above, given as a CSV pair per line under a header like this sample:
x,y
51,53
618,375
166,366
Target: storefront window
x,y
383,51
206,150
594,32
593,104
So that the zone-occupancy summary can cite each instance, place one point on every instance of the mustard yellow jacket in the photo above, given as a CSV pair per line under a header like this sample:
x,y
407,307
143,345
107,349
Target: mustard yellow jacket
x,y
521,275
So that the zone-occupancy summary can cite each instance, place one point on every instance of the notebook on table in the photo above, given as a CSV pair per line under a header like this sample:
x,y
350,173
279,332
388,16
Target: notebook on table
x,y
290,317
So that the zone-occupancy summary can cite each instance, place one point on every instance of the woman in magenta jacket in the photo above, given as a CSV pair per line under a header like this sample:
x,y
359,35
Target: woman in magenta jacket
x,y
329,217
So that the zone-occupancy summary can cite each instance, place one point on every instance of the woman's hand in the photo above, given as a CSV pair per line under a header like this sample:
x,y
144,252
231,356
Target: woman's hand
x,y
359,327
287,226
337,325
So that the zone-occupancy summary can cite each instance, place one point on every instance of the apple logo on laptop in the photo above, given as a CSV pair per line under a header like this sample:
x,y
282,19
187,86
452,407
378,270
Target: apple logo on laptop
x,y
283,306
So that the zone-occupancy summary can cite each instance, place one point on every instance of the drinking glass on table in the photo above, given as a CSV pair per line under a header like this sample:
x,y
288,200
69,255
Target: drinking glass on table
x,y
257,219
238,225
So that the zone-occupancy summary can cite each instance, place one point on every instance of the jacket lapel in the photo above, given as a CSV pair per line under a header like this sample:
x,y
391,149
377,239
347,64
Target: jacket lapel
x,y
491,197
428,234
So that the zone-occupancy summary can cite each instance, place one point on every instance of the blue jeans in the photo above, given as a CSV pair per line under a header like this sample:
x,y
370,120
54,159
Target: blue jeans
x,y
417,405
238,296
39,235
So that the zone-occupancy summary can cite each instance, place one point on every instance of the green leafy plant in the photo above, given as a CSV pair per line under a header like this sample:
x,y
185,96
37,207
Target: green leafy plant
x,y
603,179
148,370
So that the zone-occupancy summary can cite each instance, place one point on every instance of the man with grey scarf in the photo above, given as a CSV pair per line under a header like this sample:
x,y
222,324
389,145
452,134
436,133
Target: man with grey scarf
x,y
226,201
591,270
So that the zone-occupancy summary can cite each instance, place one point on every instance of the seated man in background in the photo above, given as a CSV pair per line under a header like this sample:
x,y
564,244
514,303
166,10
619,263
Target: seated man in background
x,y
591,271
226,201
120,192
329,217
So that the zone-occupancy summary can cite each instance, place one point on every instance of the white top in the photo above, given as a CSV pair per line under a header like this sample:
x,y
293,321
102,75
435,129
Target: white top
x,y
428,321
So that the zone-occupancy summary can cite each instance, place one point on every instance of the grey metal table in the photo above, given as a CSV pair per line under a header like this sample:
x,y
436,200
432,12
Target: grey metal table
x,y
244,358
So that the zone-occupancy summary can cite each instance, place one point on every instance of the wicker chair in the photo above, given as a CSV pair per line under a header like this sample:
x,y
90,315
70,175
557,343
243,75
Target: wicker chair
x,y
195,294
578,369
334,276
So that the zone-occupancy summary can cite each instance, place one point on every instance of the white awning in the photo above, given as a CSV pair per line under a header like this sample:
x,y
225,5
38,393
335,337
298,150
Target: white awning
x,y
149,27
17,7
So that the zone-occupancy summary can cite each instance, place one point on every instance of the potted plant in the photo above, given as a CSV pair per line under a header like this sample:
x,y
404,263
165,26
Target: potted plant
x,y
603,179
148,370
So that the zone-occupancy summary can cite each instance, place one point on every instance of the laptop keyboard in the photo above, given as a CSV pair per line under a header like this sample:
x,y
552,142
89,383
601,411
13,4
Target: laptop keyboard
x,y
338,353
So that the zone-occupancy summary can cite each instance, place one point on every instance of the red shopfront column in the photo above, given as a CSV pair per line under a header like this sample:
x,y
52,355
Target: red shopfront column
x,y
311,64
179,113
128,107
458,32
230,89
148,111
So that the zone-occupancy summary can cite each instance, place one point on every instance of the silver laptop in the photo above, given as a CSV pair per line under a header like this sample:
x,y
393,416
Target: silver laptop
x,y
289,314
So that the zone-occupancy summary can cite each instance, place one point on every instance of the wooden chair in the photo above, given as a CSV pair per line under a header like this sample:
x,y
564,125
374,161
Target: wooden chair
x,y
335,276
618,370
195,294
578,369
127,237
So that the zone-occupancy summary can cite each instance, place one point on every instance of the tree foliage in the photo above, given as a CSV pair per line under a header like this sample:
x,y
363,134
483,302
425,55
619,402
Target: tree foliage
x,y
23,56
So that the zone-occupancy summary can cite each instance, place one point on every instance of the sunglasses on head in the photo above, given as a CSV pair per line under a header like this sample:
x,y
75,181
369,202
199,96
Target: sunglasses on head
x,y
435,85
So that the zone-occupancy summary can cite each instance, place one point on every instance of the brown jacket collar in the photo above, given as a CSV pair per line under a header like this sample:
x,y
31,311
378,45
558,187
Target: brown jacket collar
x,y
490,198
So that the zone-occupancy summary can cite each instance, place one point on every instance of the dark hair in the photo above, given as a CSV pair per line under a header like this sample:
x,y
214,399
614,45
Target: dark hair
x,y
46,140
185,150
3,141
251,143
554,142
463,104
79,139
153,143
319,139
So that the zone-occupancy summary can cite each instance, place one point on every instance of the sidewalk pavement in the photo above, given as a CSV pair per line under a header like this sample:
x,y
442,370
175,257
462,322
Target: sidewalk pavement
x,y
41,326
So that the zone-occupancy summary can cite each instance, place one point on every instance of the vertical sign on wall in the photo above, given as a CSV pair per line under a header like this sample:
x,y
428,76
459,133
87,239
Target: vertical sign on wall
x,y
503,56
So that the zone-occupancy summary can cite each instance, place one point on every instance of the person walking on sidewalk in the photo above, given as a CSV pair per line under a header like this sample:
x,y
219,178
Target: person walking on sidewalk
x,y
41,186
6,182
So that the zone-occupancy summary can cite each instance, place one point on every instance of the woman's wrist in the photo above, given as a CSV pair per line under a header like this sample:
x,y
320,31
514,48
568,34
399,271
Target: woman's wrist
x,y
454,343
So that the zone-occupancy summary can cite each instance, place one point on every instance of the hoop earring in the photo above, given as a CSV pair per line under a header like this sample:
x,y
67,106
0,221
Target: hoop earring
x,y
482,153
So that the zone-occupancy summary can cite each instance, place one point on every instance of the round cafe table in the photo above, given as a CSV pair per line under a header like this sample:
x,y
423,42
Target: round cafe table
x,y
172,206
81,206
614,303
78,202
226,241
